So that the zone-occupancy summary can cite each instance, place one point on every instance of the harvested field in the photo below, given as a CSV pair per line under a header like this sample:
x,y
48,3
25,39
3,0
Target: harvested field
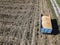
x,y
20,21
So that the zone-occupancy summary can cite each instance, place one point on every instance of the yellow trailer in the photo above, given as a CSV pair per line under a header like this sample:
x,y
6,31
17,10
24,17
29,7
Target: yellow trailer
x,y
46,26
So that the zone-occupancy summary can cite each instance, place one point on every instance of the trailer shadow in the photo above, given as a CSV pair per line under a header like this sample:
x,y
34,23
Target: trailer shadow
x,y
55,27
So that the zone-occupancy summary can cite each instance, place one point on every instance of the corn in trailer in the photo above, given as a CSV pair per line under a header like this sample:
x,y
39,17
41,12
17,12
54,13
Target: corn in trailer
x,y
46,25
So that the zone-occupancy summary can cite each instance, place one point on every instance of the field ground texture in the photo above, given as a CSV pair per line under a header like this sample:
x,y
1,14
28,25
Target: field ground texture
x,y
19,23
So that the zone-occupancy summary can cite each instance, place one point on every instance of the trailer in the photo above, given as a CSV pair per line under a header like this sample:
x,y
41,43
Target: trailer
x,y
46,25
